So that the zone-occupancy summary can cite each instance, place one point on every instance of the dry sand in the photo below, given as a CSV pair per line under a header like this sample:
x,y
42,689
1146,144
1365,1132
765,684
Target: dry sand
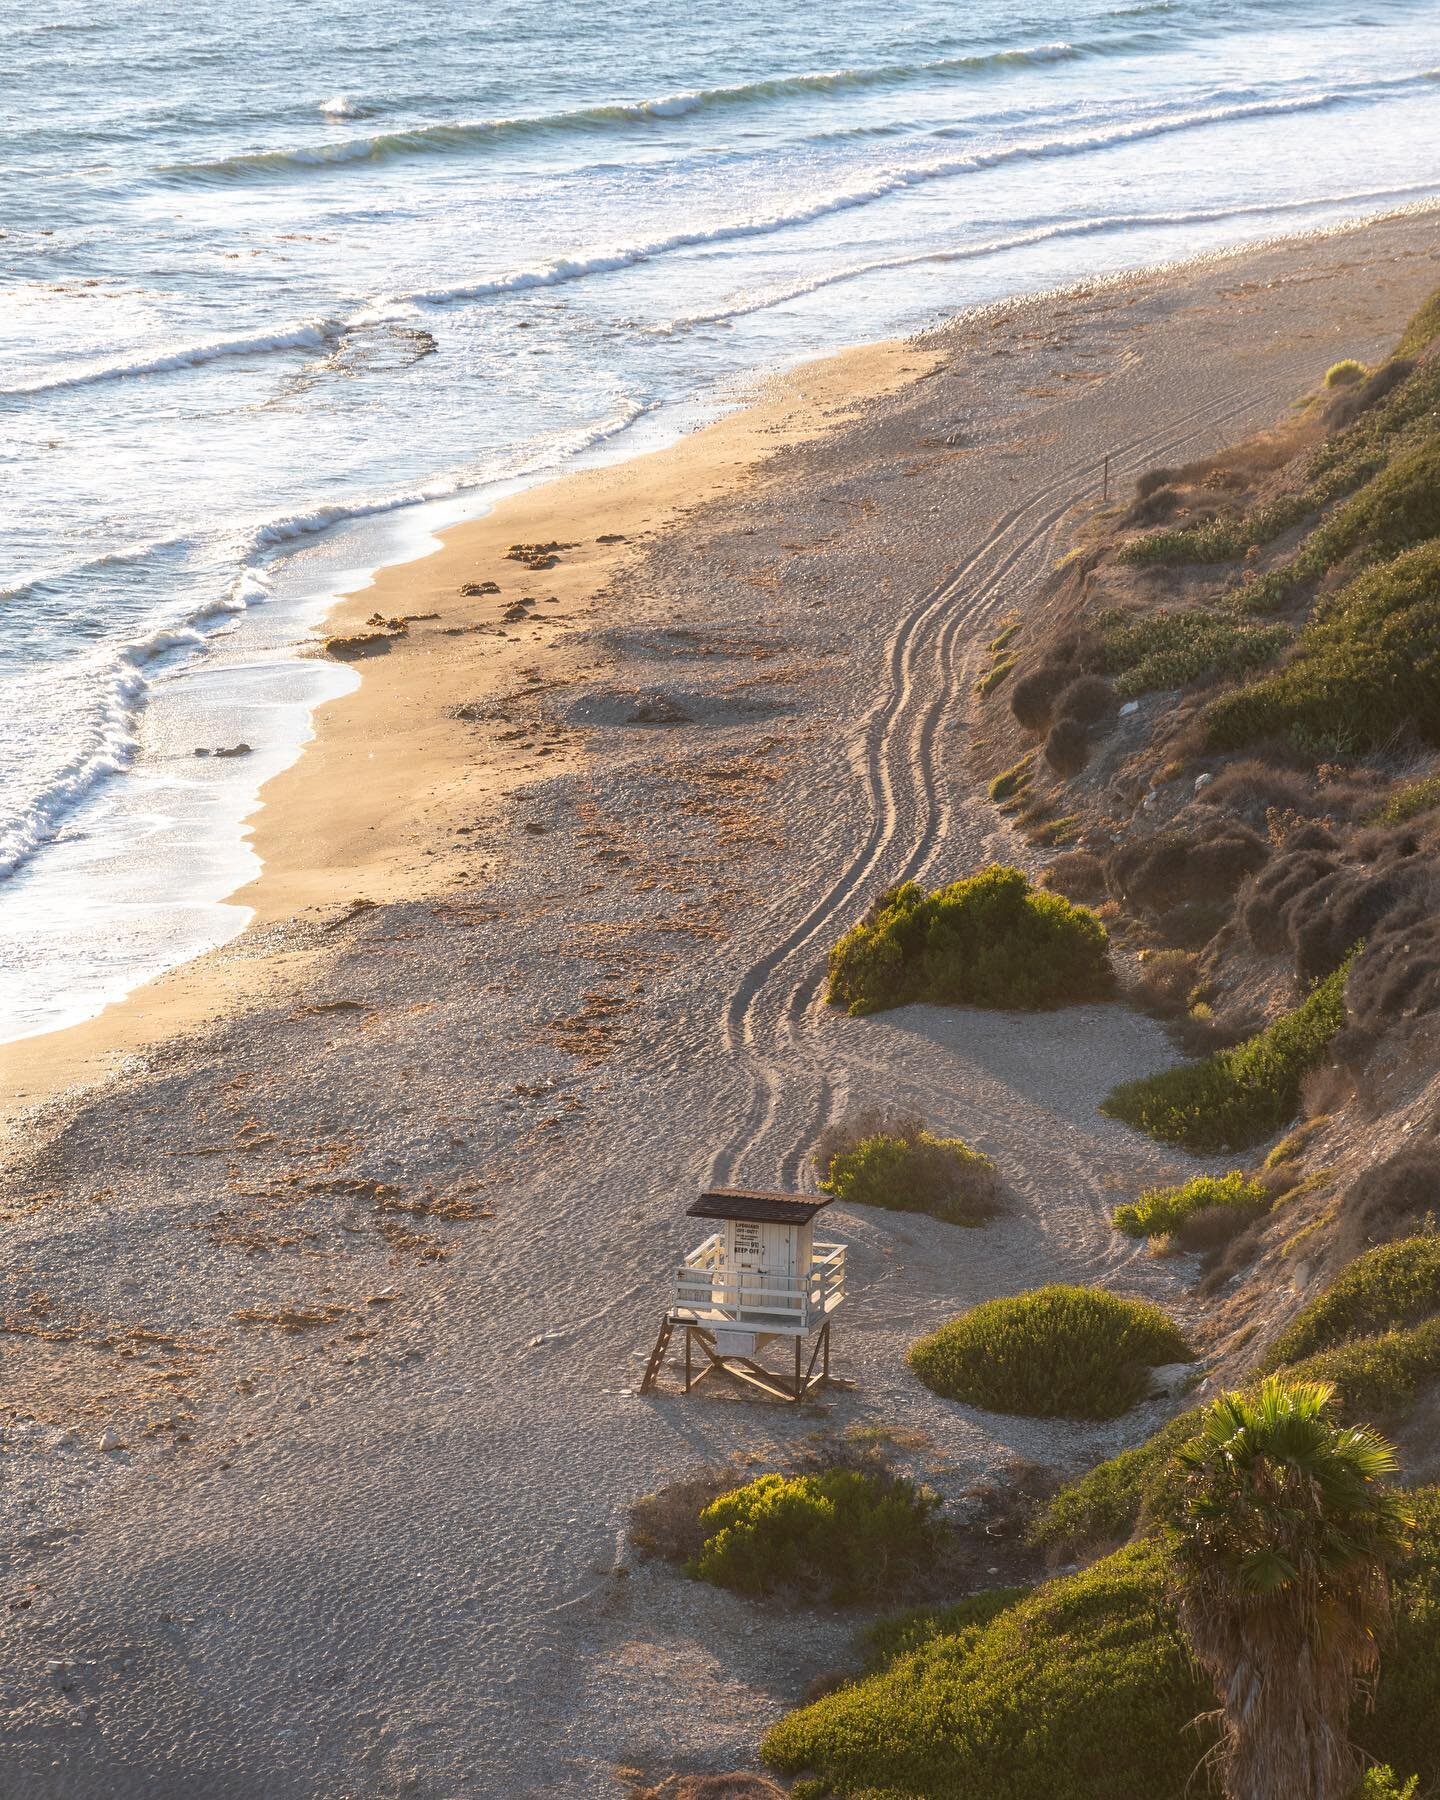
x,y
343,1240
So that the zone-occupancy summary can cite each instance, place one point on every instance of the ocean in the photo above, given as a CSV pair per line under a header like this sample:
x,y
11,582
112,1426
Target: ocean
x,y
285,288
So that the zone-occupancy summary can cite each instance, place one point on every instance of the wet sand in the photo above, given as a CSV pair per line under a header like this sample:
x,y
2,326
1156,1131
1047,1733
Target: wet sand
x,y
327,1277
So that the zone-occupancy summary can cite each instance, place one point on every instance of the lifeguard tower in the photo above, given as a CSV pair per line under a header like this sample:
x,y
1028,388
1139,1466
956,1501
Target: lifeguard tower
x,y
760,1278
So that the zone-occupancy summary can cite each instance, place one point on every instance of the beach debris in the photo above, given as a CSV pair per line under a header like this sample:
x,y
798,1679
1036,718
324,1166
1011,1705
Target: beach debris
x,y
375,640
537,556
517,610
612,537
535,828
481,587
293,1318
659,709
240,749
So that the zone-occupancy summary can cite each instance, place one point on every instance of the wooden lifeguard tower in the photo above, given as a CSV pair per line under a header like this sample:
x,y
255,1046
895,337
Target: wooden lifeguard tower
x,y
759,1279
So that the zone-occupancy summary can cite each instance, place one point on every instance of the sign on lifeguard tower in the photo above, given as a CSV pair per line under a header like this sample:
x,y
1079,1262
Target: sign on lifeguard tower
x,y
759,1279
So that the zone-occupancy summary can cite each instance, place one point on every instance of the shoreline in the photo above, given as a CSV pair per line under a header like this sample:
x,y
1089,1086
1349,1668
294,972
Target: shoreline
x,y
358,853
153,1007
350,1280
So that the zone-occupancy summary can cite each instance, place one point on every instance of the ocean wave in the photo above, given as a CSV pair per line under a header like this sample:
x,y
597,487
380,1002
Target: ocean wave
x,y
1040,235
886,183
125,676
35,580
112,740
321,334
444,139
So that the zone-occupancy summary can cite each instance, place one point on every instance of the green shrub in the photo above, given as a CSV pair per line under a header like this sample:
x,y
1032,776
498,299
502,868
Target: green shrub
x,y
897,1634
1405,416
1408,801
1380,1782
1108,1502
1344,372
1366,665
1221,540
1236,1097
992,940
1172,649
1084,1689
995,674
1393,1284
1056,1352
912,1171
1422,330
854,1534
1162,1210
1012,783
1404,1727
1377,1377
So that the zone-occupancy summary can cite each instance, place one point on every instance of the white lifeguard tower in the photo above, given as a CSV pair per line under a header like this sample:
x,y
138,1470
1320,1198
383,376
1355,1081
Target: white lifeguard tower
x,y
759,1279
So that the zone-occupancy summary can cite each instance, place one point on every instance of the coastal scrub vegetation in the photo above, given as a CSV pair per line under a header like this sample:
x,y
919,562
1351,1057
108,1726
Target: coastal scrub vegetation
x,y
1344,372
1085,1687
1285,1532
1423,328
892,1161
1146,651
1237,1097
1081,1688
991,940
853,1534
1055,1352
1408,801
1365,666
1381,1376
1107,1503
1161,1212
1392,1285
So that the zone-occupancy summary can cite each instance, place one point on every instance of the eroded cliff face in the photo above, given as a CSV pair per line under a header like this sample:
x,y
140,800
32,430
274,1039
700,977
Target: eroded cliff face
x,y
1220,722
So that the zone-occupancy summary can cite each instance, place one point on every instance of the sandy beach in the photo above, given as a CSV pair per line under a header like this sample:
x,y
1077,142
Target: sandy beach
x,y
328,1258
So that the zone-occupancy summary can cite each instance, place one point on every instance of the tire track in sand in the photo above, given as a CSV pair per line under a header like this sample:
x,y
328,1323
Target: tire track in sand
x,y
765,1013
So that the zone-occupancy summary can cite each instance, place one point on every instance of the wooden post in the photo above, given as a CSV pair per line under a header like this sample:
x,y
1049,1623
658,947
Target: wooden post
x,y
687,1359
798,1388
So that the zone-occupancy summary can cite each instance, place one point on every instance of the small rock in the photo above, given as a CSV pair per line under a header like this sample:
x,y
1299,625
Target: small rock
x,y
535,828
109,1439
1202,781
1172,1379
62,1439
1130,707
235,750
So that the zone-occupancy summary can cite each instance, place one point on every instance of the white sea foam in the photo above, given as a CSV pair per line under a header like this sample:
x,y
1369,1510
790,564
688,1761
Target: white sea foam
x,y
463,135
1042,235
320,334
891,181
121,681
123,678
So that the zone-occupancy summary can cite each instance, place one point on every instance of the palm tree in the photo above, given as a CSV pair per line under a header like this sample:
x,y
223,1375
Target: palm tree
x,y
1286,1534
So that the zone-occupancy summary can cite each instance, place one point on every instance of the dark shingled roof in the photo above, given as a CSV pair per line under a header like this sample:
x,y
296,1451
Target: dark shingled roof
x,y
765,1209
